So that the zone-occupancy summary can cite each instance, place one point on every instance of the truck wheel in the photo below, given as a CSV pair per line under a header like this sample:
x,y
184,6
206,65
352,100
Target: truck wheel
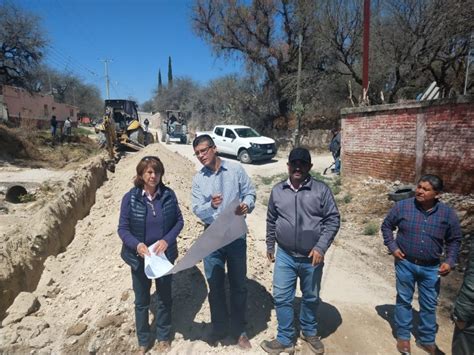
x,y
137,136
149,138
244,156
401,193
163,133
184,140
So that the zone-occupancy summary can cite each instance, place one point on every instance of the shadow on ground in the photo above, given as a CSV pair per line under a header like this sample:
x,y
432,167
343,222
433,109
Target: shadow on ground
x,y
329,318
387,312
190,293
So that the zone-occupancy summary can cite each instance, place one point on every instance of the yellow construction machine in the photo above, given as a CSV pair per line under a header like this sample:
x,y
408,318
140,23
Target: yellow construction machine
x,y
121,128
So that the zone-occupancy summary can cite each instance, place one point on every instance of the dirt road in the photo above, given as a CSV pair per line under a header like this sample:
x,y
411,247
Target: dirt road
x,y
358,300
86,300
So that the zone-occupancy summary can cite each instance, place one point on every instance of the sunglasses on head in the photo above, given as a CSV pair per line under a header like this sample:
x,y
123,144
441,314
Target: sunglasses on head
x,y
151,157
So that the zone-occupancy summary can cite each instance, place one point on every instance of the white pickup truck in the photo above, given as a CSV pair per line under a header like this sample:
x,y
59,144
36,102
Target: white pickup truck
x,y
242,142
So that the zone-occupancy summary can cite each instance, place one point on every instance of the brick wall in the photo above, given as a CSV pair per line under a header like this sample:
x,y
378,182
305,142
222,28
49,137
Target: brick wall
x,y
403,141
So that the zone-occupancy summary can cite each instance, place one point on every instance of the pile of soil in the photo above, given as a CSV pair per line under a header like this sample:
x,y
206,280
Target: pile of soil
x,y
35,148
14,146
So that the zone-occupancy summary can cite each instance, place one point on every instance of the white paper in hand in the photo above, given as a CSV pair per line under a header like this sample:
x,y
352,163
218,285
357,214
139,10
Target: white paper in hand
x,y
156,265
225,229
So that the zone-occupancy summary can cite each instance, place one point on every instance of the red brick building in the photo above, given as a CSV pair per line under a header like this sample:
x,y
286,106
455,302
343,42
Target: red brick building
x,y
404,141
38,108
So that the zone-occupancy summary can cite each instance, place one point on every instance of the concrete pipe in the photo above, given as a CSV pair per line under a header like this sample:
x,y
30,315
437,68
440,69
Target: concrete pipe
x,y
15,193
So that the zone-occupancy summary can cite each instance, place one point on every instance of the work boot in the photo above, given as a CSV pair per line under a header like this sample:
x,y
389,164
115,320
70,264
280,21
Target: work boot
x,y
214,338
314,342
275,347
163,346
244,343
141,350
431,349
403,346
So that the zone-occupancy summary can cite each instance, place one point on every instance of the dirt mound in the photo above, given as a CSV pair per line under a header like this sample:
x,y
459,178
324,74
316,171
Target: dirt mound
x,y
31,147
46,232
14,146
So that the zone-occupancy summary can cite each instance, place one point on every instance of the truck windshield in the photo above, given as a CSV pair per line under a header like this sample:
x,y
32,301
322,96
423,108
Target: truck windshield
x,y
247,132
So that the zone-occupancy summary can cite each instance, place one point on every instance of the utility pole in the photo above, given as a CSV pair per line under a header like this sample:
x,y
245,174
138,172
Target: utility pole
x,y
107,80
298,109
365,51
49,81
467,63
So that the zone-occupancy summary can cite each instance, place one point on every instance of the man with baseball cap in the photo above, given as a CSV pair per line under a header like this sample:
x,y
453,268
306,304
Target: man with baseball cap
x,y
303,219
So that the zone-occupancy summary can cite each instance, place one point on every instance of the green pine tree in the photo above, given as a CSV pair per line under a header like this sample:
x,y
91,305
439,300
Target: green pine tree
x,y
170,73
160,83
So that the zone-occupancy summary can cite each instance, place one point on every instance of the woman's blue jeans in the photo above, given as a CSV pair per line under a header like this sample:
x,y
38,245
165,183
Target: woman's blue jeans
x,y
428,281
141,287
287,270
235,254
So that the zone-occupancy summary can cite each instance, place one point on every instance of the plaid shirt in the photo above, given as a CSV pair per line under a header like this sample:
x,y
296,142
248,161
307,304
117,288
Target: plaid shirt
x,y
423,234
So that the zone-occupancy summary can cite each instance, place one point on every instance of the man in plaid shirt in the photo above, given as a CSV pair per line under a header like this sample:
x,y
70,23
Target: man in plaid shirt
x,y
425,227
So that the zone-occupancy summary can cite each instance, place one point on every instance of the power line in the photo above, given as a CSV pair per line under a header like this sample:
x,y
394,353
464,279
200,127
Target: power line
x,y
70,61
115,89
130,91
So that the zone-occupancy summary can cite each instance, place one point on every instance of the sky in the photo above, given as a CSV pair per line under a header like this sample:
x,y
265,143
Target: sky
x,y
135,36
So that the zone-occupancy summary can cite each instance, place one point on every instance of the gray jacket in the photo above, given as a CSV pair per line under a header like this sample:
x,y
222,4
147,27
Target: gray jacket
x,y
303,220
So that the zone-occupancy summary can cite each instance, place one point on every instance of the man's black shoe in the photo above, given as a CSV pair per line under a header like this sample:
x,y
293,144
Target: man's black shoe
x,y
314,342
213,338
275,347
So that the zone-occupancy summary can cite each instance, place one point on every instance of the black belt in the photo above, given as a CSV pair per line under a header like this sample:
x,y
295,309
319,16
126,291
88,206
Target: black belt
x,y
422,262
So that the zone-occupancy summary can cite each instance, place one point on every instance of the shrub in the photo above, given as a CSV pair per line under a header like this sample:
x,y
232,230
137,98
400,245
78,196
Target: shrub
x,y
27,198
371,228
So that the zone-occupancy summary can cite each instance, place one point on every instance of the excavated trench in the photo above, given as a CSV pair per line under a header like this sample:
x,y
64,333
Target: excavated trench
x,y
48,232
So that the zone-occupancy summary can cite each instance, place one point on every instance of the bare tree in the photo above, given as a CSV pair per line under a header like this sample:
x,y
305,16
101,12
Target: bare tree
x,y
233,99
180,96
263,33
89,100
148,106
413,42
21,45
68,88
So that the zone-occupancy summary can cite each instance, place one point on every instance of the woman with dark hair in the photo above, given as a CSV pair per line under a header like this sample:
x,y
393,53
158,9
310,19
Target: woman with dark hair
x,y
150,214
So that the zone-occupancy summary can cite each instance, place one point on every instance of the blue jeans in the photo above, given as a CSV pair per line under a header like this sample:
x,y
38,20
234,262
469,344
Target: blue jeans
x,y
235,254
428,281
287,270
141,287
337,163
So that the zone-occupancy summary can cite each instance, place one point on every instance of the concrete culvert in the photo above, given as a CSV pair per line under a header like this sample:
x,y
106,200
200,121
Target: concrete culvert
x,y
15,193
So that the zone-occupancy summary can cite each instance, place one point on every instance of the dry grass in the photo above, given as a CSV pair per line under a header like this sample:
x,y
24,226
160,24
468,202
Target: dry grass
x,y
13,145
28,146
